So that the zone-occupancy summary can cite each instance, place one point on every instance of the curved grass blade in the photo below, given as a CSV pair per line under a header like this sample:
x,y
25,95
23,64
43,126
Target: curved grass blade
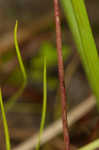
x,y
13,99
7,138
18,53
77,17
44,103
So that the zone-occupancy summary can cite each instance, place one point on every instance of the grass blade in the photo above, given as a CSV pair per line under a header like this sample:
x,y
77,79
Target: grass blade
x,y
13,99
7,138
18,53
77,17
44,103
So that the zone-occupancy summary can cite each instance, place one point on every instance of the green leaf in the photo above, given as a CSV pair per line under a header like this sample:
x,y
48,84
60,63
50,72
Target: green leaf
x,y
18,53
7,138
44,103
13,99
77,17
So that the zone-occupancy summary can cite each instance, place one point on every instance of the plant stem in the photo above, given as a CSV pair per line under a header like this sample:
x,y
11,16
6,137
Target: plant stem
x,y
7,137
14,98
44,104
61,75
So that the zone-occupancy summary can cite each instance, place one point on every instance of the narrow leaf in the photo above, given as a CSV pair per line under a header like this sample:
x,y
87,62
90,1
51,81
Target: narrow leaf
x,y
13,99
77,17
7,138
44,103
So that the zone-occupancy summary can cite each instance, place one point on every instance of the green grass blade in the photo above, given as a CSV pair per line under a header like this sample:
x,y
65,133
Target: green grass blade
x,y
13,99
44,104
18,53
92,146
77,17
7,138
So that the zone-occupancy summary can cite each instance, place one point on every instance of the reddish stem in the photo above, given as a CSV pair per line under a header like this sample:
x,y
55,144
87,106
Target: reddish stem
x,y
61,75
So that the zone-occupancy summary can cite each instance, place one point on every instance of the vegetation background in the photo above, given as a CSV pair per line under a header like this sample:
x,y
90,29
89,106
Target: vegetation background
x,y
37,38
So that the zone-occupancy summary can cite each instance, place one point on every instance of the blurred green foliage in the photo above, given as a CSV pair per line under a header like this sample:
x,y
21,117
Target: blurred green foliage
x,y
47,49
7,56
16,75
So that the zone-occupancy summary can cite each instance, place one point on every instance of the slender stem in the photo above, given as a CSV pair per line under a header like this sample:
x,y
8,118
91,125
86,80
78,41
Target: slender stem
x,y
7,138
61,75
